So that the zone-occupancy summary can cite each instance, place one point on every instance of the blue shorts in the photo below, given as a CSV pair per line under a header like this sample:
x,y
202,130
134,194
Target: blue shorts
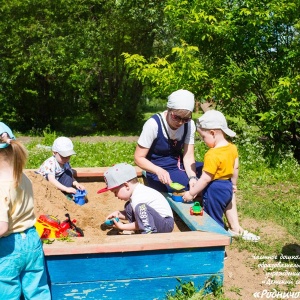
x,y
22,267
216,196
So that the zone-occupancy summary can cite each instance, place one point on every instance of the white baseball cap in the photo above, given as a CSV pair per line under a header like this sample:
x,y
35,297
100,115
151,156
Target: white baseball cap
x,y
117,175
181,99
5,129
213,119
63,146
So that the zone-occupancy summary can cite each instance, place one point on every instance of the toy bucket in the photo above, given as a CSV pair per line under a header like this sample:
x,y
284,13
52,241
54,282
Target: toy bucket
x,y
177,197
79,197
110,222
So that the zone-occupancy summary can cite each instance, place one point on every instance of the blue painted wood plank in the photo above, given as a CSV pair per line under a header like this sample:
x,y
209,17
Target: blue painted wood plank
x,y
137,289
202,223
137,265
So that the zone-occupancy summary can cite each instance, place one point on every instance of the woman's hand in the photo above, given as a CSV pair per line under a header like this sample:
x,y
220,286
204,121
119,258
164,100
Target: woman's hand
x,y
163,176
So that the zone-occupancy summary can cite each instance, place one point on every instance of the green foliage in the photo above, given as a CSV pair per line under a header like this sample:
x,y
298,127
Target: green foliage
x,y
183,291
103,154
180,69
243,56
64,59
187,290
88,154
67,59
49,136
66,239
48,241
270,191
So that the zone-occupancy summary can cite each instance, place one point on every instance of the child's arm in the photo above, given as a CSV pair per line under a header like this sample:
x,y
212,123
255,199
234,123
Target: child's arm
x,y
117,214
235,174
122,216
128,226
3,227
203,181
63,188
77,185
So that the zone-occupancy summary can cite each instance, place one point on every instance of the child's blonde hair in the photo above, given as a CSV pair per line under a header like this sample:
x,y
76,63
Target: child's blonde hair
x,y
16,155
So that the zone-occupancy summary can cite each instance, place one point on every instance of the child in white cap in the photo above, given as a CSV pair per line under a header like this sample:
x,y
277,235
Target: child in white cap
x,y
220,170
165,148
146,209
22,262
57,169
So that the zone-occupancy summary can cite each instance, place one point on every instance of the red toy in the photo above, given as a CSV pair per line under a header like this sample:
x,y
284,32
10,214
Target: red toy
x,y
50,227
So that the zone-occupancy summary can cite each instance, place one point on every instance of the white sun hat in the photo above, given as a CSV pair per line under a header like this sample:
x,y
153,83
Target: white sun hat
x,y
213,119
63,146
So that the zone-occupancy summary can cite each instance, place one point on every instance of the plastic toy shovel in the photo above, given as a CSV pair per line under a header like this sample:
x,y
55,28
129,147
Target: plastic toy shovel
x,y
176,186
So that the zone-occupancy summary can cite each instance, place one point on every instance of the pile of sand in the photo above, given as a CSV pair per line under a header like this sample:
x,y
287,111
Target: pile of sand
x,y
90,216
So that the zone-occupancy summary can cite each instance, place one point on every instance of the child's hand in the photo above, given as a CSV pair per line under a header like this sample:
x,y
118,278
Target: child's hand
x,y
114,214
234,187
70,190
78,186
187,197
118,224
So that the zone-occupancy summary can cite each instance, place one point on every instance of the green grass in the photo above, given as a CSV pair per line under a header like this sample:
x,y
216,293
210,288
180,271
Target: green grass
x,y
268,186
88,154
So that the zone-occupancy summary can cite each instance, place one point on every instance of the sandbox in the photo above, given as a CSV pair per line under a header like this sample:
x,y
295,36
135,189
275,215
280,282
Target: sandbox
x,y
107,265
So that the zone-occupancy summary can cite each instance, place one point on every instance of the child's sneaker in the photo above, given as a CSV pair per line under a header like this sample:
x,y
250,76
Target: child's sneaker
x,y
127,232
245,235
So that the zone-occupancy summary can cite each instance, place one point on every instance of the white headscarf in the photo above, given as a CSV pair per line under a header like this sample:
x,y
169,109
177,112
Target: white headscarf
x,y
181,99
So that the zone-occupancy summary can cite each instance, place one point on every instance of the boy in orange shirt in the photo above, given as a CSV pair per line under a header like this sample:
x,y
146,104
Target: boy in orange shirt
x,y
220,170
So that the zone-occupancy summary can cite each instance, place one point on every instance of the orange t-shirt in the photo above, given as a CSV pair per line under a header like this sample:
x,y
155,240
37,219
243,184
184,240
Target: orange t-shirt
x,y
220,161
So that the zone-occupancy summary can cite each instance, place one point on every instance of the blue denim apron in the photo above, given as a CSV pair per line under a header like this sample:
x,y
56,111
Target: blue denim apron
x,y
167,154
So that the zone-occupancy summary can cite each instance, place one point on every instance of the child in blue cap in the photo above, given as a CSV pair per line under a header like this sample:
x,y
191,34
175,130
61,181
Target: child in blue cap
x,y
21,253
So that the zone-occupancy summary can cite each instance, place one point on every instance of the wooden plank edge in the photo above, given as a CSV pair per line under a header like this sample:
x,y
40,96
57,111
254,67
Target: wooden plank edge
x,y
142,242
98,172
93,172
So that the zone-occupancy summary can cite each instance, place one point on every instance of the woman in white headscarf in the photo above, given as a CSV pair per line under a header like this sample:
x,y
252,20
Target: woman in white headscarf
x,y
165,150
165,147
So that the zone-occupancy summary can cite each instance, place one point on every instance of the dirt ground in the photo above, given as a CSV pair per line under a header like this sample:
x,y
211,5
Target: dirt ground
x,y
242,275
89,217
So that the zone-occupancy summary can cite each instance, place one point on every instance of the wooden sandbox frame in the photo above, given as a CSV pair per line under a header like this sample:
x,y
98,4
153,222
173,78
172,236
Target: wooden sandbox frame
x,y
130,267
